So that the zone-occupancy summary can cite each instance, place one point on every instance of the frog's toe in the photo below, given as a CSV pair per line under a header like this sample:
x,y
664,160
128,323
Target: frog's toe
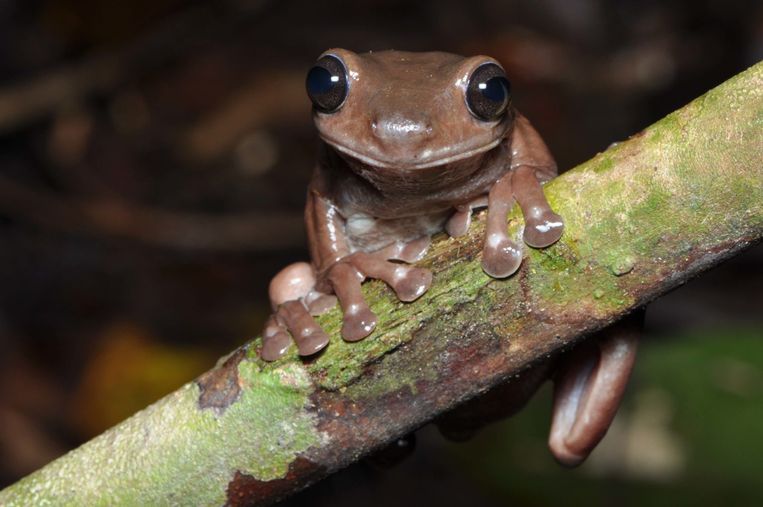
x,y
458,224
311,343
275,341
412,251
358,324
275,347
319,303
411,283
501,257
543,230
292,321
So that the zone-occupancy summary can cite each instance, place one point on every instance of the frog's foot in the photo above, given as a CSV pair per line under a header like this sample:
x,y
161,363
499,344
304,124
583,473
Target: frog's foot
x,y
292,321
358,320
346,276
501,256
408,282
588,388
275,339
543,227
294,298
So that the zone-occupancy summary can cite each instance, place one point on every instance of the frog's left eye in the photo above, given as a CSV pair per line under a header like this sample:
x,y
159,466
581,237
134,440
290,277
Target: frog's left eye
x,y
327,84
488,94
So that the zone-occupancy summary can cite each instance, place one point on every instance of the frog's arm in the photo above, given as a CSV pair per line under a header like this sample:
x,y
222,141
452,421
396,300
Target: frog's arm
x,y
531,165
326,237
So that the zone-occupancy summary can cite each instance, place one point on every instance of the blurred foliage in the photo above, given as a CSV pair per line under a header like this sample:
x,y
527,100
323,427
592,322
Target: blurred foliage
x,y
128,371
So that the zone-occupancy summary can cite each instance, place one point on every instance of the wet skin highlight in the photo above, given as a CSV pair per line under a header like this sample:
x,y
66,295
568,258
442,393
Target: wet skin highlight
x,y
411,144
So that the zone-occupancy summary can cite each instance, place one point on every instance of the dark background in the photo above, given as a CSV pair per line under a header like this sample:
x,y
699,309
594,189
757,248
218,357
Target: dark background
x,y
143,143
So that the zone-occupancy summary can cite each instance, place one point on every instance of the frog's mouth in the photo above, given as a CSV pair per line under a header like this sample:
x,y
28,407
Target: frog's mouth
x,y
420,160
410,177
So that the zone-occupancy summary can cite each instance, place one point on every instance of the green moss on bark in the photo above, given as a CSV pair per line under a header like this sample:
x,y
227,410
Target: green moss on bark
x,y
173,452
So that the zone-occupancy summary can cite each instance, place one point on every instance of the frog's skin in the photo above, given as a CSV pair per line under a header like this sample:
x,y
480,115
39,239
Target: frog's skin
x,y
404,155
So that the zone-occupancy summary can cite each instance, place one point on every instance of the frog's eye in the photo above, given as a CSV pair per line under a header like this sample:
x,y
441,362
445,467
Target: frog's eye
x,y
488,93
327,84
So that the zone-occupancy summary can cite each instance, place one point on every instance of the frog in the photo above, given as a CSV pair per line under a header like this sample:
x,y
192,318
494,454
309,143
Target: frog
x,y
411,144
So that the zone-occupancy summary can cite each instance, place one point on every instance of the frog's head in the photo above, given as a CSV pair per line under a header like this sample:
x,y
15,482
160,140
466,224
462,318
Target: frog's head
x,y
400,111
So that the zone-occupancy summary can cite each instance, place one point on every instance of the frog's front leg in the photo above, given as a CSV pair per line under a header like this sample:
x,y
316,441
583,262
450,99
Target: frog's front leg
x,y
531,165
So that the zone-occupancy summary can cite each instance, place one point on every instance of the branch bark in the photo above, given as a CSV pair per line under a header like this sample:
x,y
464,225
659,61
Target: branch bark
x,y
642,218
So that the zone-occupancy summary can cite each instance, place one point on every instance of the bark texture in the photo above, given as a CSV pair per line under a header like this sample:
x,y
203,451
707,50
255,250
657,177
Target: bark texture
x,y
641,218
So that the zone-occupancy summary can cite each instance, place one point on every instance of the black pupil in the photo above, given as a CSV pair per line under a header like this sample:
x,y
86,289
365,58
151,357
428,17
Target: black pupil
x,y
326,84
319,81
494,89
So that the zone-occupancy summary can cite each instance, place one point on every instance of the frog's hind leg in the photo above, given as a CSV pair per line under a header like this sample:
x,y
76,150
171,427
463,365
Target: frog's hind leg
x,y
543,227
291,291
588,388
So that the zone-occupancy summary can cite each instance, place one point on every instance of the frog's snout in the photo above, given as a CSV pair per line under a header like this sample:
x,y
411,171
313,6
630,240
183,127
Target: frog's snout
x,y
400,128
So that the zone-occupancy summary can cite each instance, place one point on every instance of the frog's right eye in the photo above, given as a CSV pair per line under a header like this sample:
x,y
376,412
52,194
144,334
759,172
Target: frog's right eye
x,y
488,94
327,84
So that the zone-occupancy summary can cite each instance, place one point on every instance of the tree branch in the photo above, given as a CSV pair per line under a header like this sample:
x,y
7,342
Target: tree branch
x,y
642,218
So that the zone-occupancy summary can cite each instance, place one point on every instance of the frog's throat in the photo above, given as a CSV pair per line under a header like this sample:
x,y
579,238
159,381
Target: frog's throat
x,y
410,165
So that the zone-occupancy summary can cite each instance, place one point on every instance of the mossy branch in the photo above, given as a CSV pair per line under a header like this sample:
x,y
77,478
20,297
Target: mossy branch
x,y
641,218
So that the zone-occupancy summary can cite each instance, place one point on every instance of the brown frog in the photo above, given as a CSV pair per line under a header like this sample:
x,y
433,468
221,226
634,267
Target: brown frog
x,y
411,144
